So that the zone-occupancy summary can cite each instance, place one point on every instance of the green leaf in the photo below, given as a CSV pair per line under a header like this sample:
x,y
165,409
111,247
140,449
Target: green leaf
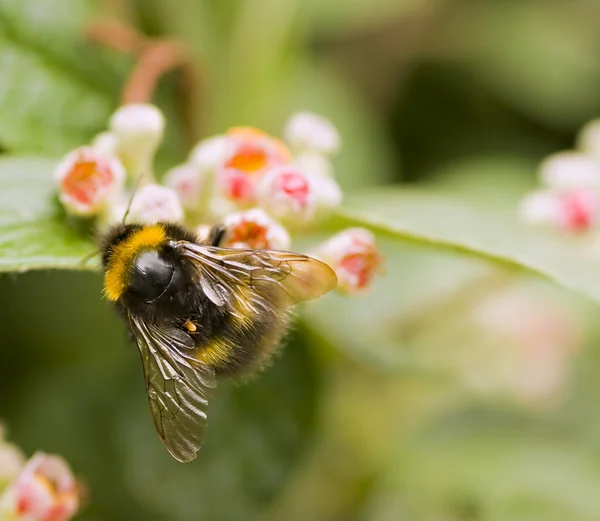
x,y
369,327
34,233
492,474
425,219
56,89
437,249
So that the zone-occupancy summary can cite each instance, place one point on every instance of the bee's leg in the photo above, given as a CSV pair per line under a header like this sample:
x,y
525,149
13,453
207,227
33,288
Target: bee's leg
x,y
217,233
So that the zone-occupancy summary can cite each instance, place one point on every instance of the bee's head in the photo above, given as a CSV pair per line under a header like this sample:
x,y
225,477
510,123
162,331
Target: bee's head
x,y
138,260
141,259
115,235
151,273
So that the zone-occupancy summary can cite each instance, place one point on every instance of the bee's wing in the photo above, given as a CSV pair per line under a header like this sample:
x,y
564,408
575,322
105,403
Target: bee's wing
x,y
178,386
289,277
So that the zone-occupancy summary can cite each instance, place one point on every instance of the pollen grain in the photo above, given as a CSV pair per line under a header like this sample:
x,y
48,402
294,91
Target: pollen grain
x,y
190,326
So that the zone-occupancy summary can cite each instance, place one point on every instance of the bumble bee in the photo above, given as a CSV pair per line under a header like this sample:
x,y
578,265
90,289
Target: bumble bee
x,y
197,311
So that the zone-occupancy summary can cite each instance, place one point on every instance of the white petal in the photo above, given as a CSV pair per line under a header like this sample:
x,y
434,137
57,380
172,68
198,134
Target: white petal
x,y
105,143
188,182
136,122
210,153
277,236
139,129
570,170
313,163
154,203
311,132
286,206
541,207
589,139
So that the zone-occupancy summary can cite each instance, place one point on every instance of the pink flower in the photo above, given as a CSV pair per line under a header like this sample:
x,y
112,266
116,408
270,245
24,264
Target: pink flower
x,y
574,210
237,186
105,143
211,153
250,154
44,491
540,207
327,192
187,181
319,171
218,208
155,203
579,210
138,129
588,139
315,164
288,194
570,170
11,461
255,229
354,257
306,131
88,181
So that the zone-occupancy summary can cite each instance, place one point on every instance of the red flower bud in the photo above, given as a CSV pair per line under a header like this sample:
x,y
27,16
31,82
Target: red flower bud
x,y
354,257
255,229
88,181
44,491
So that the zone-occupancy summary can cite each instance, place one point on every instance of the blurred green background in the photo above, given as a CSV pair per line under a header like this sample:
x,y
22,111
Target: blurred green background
x,y
452,391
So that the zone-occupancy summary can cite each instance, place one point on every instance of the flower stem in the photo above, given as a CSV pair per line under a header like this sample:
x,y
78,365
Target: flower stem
x,y
158,59
155,58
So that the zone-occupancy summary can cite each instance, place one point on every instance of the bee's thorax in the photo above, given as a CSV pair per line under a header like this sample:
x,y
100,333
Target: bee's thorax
x,y
151,274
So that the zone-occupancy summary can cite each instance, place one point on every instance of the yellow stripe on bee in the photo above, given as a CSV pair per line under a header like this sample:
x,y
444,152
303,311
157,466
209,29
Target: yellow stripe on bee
x,y
215,352
115,278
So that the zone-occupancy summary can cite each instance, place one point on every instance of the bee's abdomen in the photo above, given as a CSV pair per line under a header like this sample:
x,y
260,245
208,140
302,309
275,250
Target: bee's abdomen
x,y
243,346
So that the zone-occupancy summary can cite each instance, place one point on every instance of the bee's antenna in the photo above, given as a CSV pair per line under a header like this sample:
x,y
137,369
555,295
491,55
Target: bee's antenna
x,y
83,261
134,190
217,233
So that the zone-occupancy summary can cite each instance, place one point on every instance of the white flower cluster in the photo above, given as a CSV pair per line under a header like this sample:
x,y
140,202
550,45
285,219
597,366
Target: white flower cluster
x,y
40,489
569,199
259,187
